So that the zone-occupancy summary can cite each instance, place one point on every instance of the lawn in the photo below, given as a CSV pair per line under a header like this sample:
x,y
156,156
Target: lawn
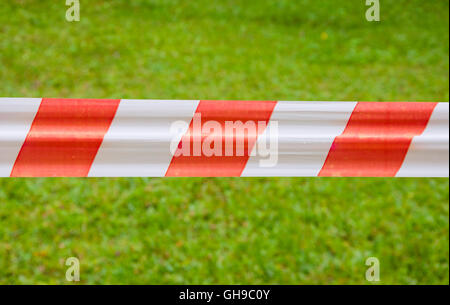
x,y
225,230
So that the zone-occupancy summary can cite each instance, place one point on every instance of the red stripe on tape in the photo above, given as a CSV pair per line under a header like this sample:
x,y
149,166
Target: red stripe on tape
x,y
222,112
64,137
376,139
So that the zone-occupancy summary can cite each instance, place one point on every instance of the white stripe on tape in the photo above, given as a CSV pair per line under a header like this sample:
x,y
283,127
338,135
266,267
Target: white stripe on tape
x,y
306,131
428,153
16,116
138,140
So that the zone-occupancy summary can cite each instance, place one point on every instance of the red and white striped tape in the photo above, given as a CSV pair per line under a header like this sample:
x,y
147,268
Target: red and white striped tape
x,y
106,138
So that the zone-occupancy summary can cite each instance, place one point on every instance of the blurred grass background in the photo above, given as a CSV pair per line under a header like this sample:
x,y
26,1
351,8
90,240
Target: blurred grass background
x,y
225,230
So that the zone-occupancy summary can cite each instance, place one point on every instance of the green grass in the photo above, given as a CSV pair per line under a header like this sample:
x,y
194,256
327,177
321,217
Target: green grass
x,y
225,230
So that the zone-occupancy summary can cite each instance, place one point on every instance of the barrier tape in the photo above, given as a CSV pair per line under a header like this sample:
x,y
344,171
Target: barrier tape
x,y
127,138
